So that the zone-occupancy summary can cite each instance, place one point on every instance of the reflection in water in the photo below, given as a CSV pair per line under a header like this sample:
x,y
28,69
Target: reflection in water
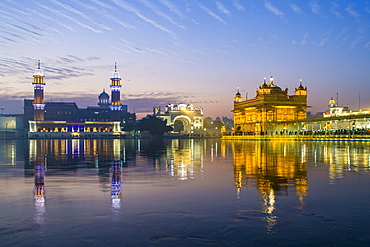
x,y
275,169
116,185
184,159
272,168
39,164
116,173
279,168
39,192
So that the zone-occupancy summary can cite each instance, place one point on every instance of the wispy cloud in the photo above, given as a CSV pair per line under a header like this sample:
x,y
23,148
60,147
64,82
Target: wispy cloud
x,y
71,19
101,4
25,29
351,12
18,9
237,5
136,49
341,34
173,8
101,9
304,40
120,49
133,10
356,42
79,13
211,13
324,41
154,8
53,20
315,8
274,10
295,8
333,9
367,45
222,8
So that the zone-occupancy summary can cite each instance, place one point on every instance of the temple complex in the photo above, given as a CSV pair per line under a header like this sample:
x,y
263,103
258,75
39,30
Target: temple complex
x,y
271,106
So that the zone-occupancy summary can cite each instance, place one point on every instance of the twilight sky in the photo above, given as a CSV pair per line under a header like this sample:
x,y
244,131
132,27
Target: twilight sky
x,y
191,51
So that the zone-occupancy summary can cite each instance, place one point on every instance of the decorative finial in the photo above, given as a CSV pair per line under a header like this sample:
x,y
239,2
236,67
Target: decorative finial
x,y
115,66
300,82
38,64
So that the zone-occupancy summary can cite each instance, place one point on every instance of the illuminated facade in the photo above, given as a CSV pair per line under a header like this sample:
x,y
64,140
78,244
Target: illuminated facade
x,y
270,106
65,119
338,111
183,118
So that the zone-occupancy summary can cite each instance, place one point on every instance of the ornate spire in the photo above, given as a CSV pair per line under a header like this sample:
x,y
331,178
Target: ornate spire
x,y
38,71
115,74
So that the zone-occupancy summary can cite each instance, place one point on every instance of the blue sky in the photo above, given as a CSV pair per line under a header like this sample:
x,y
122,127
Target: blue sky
x,y
191,51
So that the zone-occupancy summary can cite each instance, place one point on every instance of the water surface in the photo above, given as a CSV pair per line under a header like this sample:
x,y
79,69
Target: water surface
x,y
184,193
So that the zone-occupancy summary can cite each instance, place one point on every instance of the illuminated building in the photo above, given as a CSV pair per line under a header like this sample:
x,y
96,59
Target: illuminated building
x,y
270,106
183,118
337,111
65,119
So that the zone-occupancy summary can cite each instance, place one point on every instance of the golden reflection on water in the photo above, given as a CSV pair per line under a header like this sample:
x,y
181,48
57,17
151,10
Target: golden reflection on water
x,y
184,159
278,168
274,168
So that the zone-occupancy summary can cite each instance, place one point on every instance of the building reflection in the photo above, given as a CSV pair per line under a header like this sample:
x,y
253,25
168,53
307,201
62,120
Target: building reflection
x,y
116,174
39,163
342,157
39,192
279,169
184,159
105,155
274,168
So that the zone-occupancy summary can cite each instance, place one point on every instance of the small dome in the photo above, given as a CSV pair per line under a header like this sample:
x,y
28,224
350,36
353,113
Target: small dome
x,y
300,86
103,95
38,71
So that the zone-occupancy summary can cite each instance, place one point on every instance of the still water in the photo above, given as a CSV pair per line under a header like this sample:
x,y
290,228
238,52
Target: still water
x,y
184,193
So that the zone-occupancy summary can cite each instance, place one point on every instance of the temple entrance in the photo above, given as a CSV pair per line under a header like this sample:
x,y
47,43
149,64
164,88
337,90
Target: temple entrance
x,y
181,125
178,126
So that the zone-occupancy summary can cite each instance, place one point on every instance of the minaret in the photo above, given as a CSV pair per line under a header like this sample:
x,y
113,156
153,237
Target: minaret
x,y
115,87
38,100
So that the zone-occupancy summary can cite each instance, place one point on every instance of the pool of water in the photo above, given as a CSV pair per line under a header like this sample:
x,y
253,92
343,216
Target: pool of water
x,y
184,193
